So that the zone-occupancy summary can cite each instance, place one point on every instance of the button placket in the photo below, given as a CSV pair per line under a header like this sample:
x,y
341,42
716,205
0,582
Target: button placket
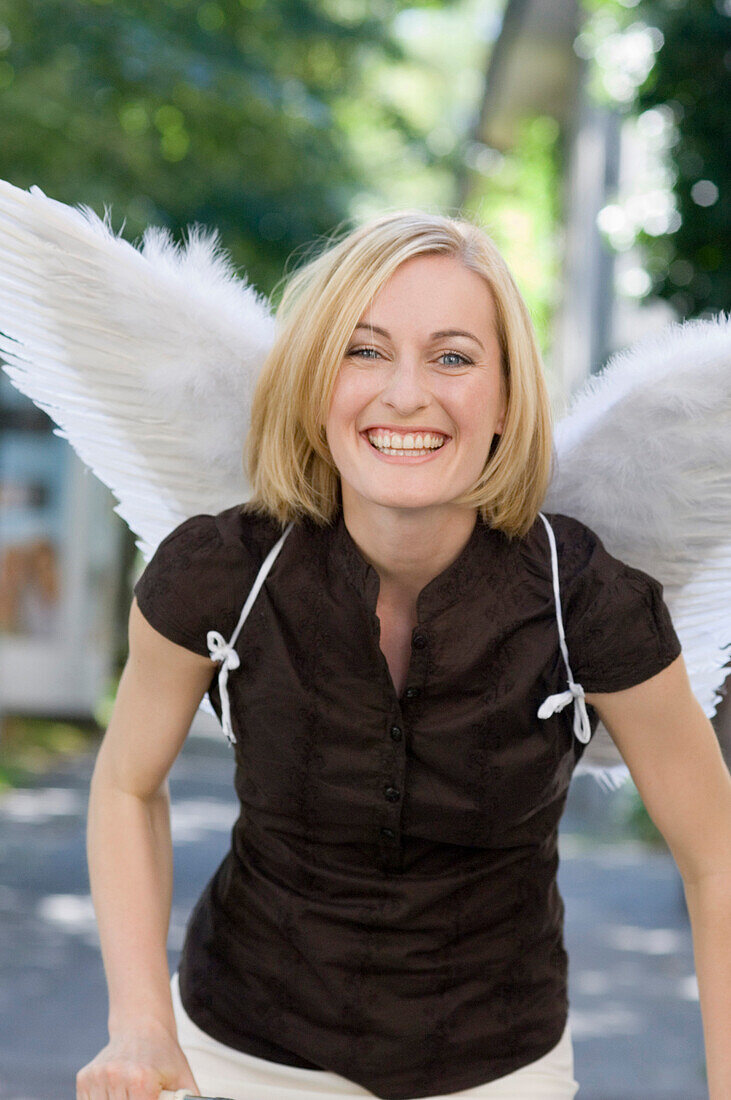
x,y
417,664
392,783
392,787
395,781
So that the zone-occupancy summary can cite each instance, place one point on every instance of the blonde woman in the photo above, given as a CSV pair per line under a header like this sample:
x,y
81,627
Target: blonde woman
x,y
379,628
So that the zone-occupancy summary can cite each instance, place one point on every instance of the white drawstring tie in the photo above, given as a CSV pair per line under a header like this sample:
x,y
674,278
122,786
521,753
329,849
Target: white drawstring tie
x,y
549,706
229,658
221,650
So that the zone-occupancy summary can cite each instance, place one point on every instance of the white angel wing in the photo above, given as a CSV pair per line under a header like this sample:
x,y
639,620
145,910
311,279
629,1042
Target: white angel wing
x,y
644,459
147,360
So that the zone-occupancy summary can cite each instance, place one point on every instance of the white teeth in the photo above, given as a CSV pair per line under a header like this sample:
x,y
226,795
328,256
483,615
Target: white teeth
x,y
393,443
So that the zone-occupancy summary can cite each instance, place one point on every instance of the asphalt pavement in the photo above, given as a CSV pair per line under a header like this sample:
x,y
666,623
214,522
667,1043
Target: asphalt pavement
x,y
634,1009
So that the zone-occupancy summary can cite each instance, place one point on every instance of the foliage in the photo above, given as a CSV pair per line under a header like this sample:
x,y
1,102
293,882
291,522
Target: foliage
x,y
31,746
691,76
223,113
516,196
668,62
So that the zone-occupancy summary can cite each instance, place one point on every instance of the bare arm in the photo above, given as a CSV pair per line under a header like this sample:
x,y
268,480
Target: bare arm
x,y
675,760
129,845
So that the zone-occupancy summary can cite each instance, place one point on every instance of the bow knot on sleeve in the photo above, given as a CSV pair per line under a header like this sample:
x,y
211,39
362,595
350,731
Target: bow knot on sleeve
x,y
549,706
220,650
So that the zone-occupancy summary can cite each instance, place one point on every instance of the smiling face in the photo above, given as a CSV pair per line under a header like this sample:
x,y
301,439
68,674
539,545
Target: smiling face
x,y
403,376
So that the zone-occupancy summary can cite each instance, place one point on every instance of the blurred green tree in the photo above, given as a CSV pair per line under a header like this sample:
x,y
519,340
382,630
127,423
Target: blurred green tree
x,y
688,82
692,76
516,194
222,112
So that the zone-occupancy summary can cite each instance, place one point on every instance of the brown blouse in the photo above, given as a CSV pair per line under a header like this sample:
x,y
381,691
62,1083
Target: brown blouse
x,y
389,908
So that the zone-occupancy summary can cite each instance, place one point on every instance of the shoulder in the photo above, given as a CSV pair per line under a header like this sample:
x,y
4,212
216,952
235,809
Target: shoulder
x,y
200,573
585,559
618,626
232,535
585,566
577,547
246,533
590,576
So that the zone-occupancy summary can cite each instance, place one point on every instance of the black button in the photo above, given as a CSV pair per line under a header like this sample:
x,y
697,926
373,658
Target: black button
x,y
392,794
418,641
411,693
396,733
389,833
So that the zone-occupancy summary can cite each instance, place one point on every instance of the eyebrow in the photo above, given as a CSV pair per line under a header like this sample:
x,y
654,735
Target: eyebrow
x,y
434,335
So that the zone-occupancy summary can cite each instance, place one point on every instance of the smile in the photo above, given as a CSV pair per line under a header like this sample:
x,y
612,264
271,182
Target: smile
x,y
406,454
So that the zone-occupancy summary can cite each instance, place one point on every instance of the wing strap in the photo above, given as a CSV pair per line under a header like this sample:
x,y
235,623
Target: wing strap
x,y
221,650
553,703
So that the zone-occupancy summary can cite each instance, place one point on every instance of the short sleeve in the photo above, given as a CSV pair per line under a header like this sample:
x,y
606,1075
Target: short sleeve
x,y
618,628
181,591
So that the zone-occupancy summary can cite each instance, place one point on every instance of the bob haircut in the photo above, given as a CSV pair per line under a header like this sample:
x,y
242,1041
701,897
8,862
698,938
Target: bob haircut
x,y
290,467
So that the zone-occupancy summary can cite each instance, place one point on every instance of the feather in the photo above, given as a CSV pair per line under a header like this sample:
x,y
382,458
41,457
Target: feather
x,y
145,359
643,457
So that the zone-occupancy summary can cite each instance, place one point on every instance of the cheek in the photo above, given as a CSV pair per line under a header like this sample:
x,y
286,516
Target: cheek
x,y
464,407
342,413
350,395
477,405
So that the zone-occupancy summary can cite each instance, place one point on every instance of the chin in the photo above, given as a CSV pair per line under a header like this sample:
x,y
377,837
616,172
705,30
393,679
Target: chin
x,y
403,500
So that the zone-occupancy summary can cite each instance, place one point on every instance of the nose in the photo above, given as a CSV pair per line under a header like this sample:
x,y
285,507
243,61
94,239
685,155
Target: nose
x,y
406,388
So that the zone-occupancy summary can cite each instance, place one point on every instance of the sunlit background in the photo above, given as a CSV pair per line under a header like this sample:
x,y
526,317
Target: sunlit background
x,y
591,139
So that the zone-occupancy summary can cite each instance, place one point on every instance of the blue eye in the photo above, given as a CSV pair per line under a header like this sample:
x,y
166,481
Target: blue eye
x,y
455,354
357,351
352,352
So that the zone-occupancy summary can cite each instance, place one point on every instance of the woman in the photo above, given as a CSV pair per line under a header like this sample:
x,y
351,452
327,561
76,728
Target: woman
x,y
387,921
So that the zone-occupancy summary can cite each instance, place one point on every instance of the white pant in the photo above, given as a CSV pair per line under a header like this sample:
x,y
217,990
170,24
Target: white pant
x,y
221,1071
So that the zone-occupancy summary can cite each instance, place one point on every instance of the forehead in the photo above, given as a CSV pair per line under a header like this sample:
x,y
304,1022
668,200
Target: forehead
x,y
435,290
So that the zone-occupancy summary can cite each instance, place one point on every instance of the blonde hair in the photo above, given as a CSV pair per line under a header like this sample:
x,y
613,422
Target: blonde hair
x,y
289,465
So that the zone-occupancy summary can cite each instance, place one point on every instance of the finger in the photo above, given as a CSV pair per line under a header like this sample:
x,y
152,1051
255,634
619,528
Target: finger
x,y
83,1087
190,1082
98,1091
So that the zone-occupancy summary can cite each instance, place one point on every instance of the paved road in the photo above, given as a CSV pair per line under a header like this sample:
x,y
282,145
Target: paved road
x,y
634,1011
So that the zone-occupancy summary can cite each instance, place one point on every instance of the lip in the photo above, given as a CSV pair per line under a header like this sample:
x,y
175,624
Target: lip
x,y
403,459
404,431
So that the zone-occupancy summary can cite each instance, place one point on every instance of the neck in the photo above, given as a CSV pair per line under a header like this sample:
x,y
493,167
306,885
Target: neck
x,y
408,547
